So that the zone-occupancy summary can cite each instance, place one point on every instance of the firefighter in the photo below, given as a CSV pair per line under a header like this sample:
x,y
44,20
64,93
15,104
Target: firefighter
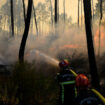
x,y
66,80
85,95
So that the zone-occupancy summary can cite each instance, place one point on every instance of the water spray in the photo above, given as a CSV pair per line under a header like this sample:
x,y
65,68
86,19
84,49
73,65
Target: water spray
x,y
42,56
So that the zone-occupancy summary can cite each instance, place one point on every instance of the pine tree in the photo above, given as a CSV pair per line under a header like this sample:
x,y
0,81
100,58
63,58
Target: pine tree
x,y
25,34
24,10
78,11
56,12
91,55
12,17
101,15
35,19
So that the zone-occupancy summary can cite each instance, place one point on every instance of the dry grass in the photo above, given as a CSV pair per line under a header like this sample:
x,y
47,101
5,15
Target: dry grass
x,y
28,86
35,84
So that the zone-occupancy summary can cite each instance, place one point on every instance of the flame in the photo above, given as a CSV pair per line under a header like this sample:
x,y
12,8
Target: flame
x,y
96,38
102,39
70,46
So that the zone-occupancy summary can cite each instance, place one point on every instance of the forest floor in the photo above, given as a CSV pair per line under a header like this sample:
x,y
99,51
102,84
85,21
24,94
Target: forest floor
x,y
28,84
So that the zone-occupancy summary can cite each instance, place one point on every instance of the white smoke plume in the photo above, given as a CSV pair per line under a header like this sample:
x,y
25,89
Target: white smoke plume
x,y
43,47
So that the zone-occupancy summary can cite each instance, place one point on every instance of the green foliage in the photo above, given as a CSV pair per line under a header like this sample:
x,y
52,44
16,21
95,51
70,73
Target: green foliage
x,y
26,86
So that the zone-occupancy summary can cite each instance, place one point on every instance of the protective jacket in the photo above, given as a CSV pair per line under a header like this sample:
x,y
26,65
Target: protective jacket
x,y
87,97
67,93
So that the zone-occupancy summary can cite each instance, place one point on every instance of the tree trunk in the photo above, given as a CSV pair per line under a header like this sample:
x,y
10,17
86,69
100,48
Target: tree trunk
x,y
81,12
64,9
56,16
99,46
101,15
24,10
92,61
12,17
92,9
25,34
51,12
78,12
58,9
35,19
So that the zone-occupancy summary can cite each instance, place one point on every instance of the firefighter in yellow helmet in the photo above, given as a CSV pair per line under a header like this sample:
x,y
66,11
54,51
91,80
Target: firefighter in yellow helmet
x,y
66,80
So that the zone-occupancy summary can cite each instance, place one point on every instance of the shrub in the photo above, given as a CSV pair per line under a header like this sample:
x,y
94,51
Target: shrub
x,y
28,86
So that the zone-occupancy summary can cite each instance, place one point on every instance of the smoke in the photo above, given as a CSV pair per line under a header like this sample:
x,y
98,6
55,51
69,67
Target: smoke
x,y
9,48
50,45
43,47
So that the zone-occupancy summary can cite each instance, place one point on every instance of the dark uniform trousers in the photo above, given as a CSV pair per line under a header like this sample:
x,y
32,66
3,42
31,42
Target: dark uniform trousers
x,y
67,88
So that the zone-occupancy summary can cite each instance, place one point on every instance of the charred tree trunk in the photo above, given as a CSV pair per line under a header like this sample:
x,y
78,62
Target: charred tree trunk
x,y
25,34
35,19
12,17
92,61
56,12
24,10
